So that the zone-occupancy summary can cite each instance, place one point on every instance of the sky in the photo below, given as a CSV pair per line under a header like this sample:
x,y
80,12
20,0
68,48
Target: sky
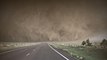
x,y
52,20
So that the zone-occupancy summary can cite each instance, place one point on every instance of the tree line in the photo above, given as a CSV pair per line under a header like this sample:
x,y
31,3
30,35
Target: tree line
x,y
88,43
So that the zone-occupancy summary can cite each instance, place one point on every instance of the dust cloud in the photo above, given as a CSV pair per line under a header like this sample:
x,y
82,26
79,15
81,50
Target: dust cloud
x,y
51,20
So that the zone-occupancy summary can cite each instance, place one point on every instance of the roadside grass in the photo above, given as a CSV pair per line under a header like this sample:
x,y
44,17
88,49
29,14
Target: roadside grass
x,y
5,46
87,53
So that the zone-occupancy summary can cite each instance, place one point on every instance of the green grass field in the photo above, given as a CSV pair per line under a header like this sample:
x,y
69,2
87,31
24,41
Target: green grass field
x,y
87,53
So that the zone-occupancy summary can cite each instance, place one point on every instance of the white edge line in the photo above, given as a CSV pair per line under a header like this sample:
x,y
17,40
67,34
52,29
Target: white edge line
x,y
58,52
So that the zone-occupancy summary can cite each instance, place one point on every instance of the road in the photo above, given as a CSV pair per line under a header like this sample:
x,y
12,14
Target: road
x,y
38,52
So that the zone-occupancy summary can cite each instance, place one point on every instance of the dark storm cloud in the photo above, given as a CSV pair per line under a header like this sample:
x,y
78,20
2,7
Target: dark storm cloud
x,y
52,20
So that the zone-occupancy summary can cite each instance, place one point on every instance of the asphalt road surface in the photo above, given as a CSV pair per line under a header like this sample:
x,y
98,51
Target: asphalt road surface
x,y
38,52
